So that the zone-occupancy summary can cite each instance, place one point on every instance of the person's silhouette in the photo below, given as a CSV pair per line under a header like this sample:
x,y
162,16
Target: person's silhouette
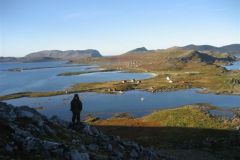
x,y
76,108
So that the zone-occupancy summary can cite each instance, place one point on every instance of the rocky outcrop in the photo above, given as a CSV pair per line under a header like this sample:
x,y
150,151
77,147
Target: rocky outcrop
x,y
26,134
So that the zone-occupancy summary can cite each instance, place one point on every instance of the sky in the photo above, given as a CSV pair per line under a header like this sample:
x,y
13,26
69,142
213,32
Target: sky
x,y
114,27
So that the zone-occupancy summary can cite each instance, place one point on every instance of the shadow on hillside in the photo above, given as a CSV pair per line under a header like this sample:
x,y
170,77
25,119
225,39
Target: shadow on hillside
x,y
222,143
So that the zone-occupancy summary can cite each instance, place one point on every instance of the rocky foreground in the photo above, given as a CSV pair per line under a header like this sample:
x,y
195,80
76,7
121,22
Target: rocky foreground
x,y
26,134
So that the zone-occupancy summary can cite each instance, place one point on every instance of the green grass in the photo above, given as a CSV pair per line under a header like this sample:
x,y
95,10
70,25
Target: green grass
x,y
190,116
184,130
187,116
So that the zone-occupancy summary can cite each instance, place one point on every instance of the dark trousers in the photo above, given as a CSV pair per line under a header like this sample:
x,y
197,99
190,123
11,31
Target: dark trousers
x,y
74,116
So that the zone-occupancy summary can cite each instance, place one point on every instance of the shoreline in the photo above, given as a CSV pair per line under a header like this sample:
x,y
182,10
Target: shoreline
x,y
158,117
69,89
97,90
36,68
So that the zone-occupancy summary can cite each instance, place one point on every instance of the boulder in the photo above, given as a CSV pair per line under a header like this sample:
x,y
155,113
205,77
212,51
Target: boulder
x,y
55,119
49,145
34,136
93,147
75,155
25,111
109,147
133,153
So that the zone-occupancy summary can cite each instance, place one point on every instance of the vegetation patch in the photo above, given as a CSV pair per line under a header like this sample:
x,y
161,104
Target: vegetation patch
x,y
191,116
187,131
187,116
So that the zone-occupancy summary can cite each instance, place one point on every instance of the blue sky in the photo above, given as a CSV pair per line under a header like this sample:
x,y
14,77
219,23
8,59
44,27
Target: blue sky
x,y
114,27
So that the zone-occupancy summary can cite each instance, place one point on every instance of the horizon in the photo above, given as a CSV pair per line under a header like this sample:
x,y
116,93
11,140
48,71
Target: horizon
x,y
120,53
114,28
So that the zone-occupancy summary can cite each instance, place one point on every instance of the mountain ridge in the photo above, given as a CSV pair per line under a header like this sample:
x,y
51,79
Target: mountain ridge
x,y
53,55
231,48
67,54
48,55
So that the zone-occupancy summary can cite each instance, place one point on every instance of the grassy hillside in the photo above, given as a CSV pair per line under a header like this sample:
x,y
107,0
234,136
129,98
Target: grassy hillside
x,y
187,116
191,116
188,132
186,68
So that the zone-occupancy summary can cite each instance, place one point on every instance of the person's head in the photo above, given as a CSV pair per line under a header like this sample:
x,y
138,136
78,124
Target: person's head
x,y
76,97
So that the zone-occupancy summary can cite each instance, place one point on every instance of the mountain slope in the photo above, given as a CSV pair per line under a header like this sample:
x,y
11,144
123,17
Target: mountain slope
x,y
201,48
203,57
232,49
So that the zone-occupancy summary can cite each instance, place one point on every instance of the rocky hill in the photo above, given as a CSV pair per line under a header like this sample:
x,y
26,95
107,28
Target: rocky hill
x,y
53,55
26,134
137,50
68,54
232,48
203,57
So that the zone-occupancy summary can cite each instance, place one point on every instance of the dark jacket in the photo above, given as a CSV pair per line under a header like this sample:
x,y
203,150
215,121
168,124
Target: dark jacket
x,y
76,106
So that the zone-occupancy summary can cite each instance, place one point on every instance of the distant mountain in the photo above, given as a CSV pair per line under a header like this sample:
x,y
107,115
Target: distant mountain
x,y
138,50
201,48
53,55
68,54
231,49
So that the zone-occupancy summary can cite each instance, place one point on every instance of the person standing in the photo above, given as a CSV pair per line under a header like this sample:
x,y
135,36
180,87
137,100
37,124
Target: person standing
x,y
76,108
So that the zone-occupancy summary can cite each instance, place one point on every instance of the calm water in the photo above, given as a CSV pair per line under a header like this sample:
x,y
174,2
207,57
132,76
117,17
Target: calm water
x,y
235,66
9,65
136,102
46,79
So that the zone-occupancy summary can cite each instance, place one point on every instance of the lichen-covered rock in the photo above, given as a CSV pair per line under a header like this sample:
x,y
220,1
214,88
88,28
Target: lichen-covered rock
x,y
25,111
26,134
7,112
58,121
